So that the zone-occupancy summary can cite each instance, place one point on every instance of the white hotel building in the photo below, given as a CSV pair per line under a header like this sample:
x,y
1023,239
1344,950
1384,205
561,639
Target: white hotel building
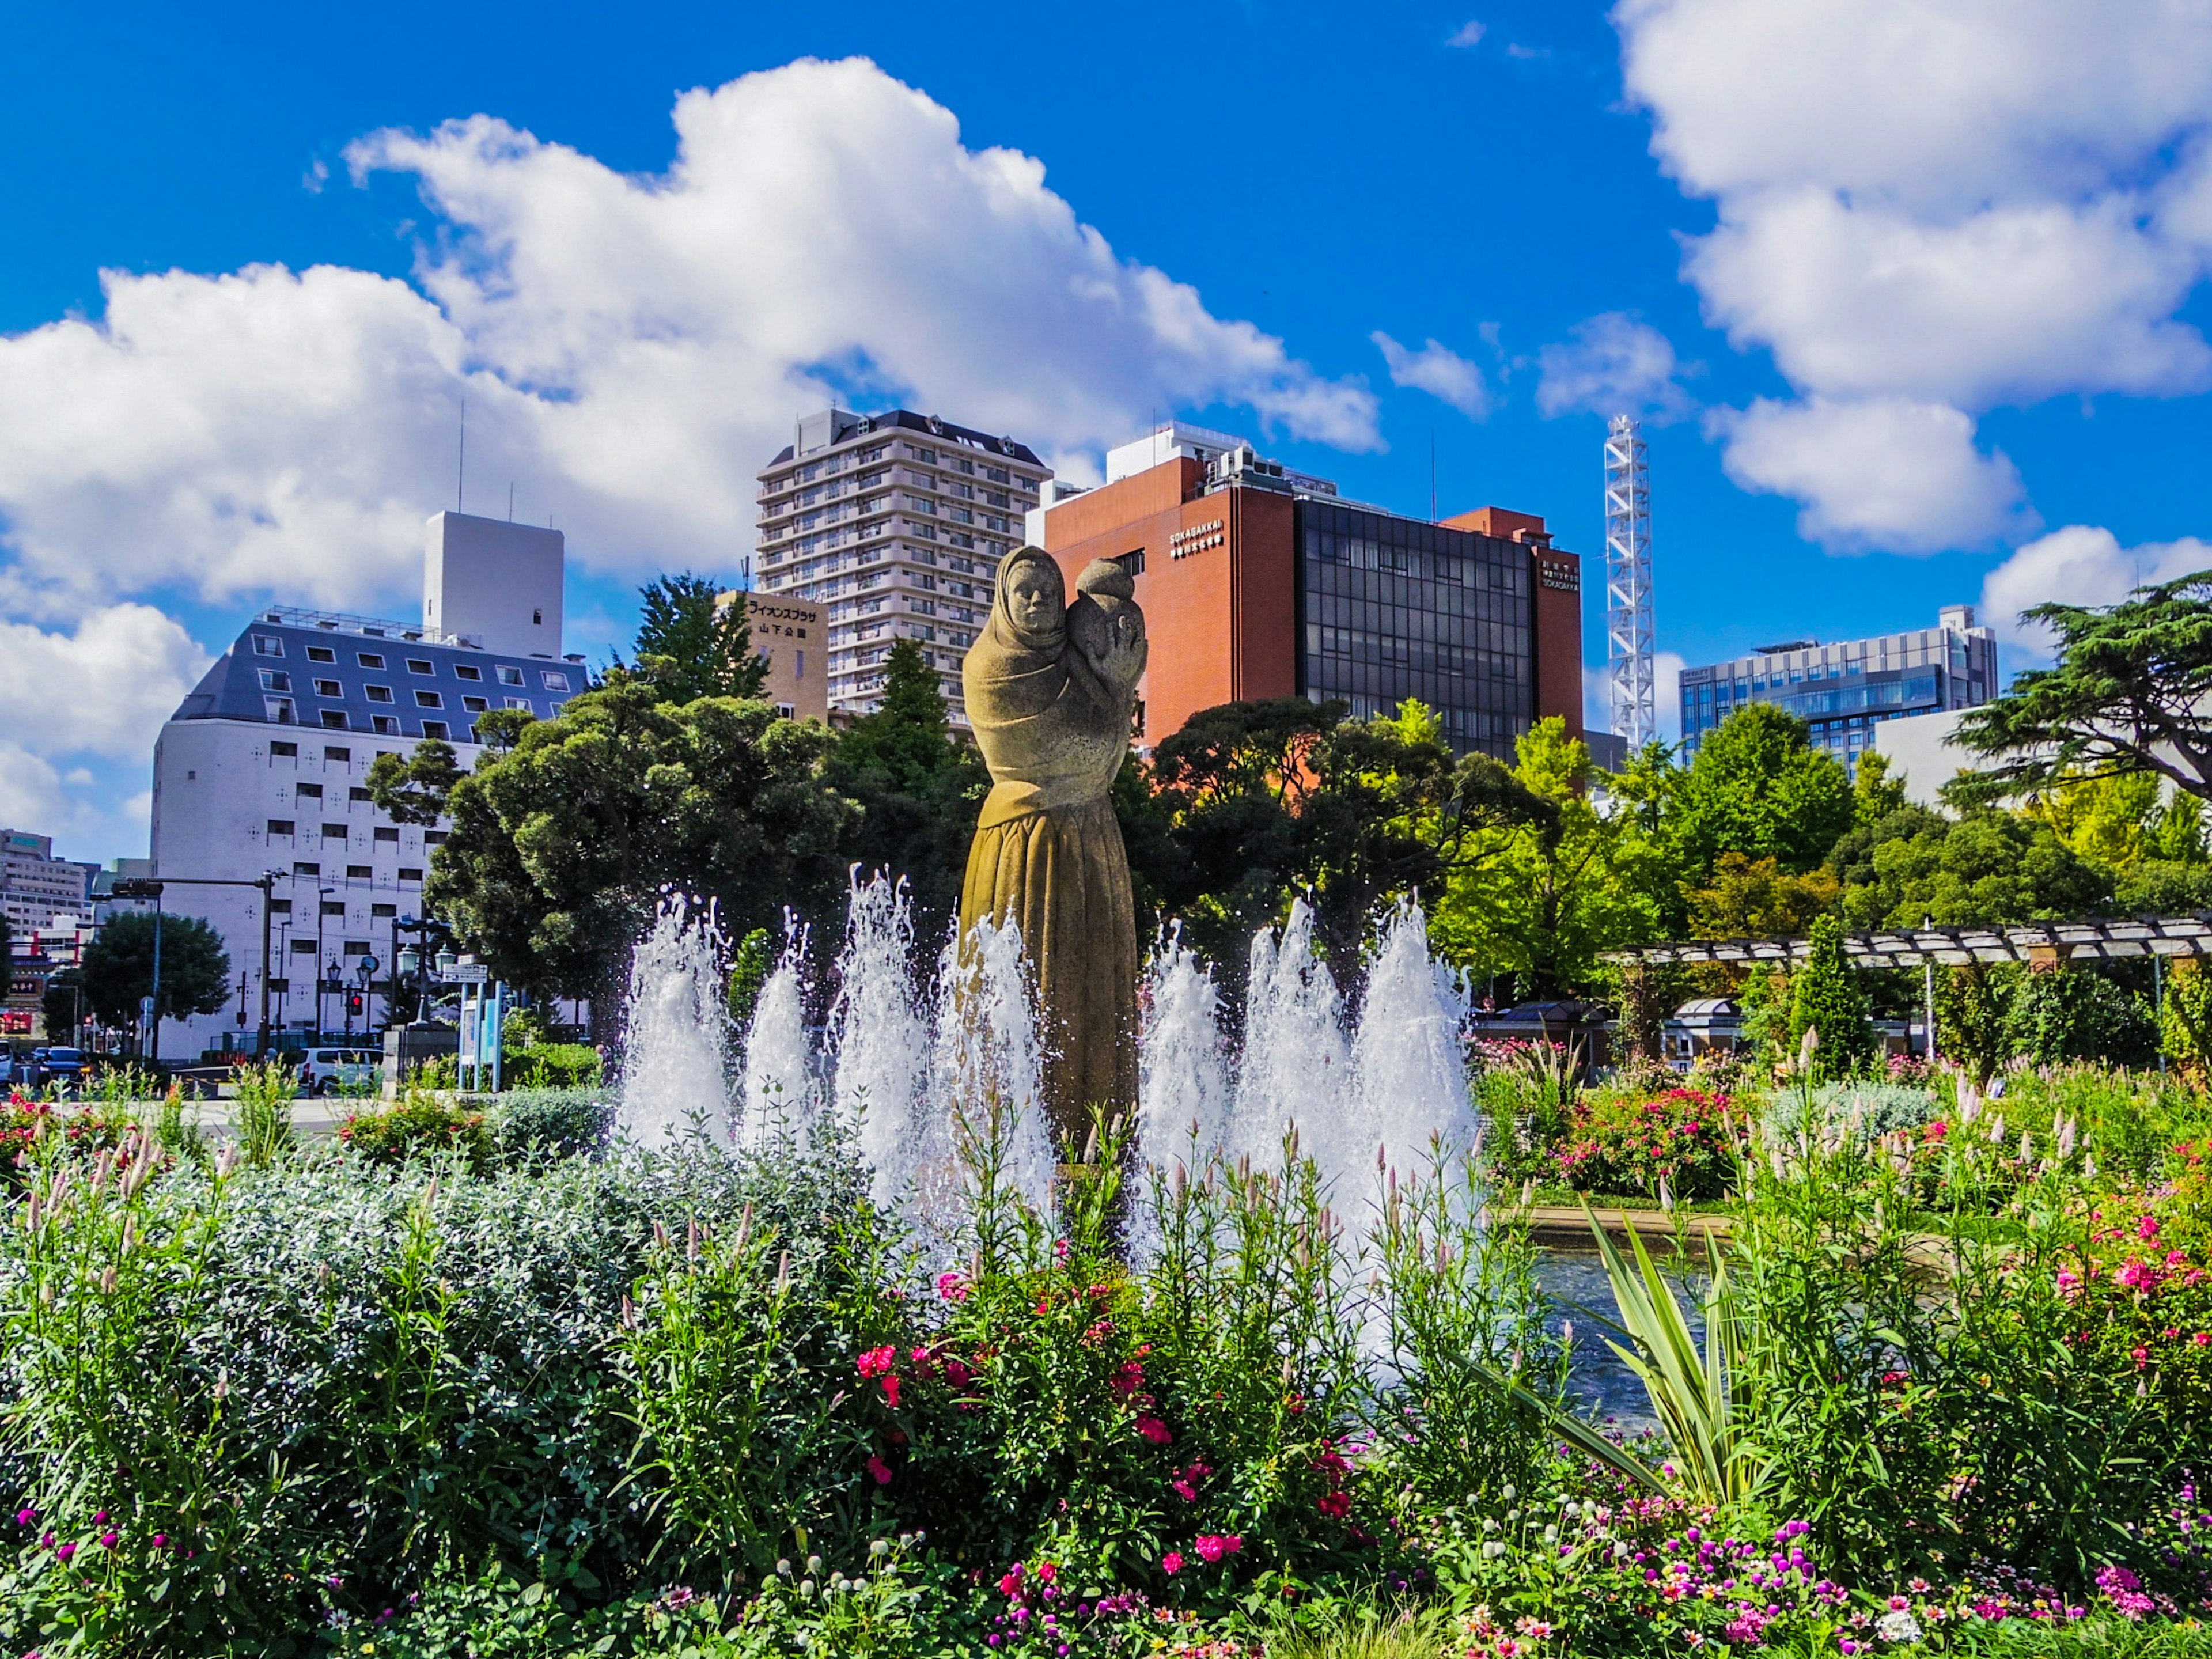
x,y
264,767
895,523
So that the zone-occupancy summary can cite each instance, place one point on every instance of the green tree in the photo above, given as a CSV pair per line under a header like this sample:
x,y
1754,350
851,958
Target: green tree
x,y
2066,1013
750,964
414,790
561,844
1557,889
691,645
1875,793
2185,1018
1970,1002
119,968
1255,801
1759,787
64,1004
1825,995
2129,693
1985,868
1756,898
918,789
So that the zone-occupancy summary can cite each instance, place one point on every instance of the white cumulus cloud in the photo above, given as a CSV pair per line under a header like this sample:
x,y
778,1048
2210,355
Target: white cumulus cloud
x,y
103,689
1438,370
1884,473
1946,202
2077,564
1611,364
631,348
1467,34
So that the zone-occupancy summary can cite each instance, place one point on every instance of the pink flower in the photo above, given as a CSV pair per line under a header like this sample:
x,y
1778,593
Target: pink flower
x,y
107,1540
26,1517
161,1540
880,1469
2137,1276
891,1391
2069,1282
956,1373
1125,1381
1047,1571
64,1551
1154,1431
2140,1356
1936,1130
2202,1338
1336,1505
1011,1584
1212,1546
877,1362
99,1517
952,1287
2147,1227
1172,1563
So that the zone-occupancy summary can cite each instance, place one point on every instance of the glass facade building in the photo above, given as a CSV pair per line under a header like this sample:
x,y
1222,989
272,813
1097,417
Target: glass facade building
x,y
1395,608
1843,691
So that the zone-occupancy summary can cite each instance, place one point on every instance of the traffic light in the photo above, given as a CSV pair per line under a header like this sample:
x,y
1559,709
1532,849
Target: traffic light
x,y
353,1003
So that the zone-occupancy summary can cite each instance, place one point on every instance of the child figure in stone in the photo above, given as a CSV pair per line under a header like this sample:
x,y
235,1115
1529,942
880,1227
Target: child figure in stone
x,y
1109,631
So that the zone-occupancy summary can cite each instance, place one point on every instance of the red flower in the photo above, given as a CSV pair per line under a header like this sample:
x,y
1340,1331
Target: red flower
x,y
891,1391
1212,1546
1154,1431
880,1469
877,1362
1335,1504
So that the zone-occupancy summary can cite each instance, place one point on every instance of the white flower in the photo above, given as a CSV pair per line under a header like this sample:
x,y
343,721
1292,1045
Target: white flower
x,y
1897,1626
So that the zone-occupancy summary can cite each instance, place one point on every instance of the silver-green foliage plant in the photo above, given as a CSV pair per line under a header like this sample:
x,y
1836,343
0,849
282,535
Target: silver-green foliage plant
x,y
1866,1109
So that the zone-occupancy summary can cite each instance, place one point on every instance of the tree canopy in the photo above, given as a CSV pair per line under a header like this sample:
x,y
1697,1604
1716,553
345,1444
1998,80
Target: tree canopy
x,y
561,844
2128,693
691,647
118,971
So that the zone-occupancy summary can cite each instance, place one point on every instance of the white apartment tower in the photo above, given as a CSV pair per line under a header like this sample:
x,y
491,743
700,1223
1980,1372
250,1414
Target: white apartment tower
x,y
895,523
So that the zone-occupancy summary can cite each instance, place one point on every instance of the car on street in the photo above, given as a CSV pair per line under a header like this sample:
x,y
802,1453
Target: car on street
x,y
326,1071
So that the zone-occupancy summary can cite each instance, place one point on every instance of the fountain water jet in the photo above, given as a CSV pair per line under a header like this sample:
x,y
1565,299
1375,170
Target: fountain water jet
x,y
882,1030
675,1051
779,1093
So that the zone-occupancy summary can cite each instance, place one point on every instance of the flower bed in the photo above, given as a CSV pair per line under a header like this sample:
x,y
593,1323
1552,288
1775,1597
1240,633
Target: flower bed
x,y
1685,1139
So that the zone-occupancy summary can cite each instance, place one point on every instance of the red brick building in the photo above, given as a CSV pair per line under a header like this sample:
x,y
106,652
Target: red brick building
x,y
1257,582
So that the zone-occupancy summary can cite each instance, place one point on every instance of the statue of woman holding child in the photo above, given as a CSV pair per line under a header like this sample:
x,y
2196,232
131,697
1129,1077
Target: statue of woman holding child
x,y
1051,693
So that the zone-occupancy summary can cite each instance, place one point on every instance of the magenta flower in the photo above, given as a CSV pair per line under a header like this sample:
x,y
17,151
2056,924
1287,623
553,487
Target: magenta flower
x,y
1212,1546
877,1362
952,1287
1172,1563
64,1551
26,1516
891,1392
1335,1504
880,1469
1154,1431
108,1540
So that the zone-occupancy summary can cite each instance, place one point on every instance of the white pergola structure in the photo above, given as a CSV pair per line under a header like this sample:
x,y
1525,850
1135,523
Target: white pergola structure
x,y
2039,944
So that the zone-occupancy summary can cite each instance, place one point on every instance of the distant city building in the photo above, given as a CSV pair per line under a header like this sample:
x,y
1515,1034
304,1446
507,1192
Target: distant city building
x,y
265,766
493,584
36,887
1260,582
1846,690
787,631
895,524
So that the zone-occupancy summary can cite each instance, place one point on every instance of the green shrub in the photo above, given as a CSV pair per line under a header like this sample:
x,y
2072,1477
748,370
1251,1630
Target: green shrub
x,y
1825,995
2070,1013
264,1121
555,1122
1621,1142
553,1066
1869,1110
421,1125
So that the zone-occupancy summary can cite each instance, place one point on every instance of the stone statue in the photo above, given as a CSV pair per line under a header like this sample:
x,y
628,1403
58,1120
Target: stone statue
x,y
1051,692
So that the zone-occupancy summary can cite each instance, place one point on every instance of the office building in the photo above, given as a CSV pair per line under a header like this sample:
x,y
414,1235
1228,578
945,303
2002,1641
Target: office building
x,y
493,584
36,888
1259,581
787,633
264,767
894,524
1844,691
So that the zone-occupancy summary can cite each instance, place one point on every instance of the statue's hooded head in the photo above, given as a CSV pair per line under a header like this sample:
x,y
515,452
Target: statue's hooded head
x,y
1031,601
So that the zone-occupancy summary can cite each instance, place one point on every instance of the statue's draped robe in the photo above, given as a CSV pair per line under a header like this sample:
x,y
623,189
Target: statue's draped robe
x,y
1047,853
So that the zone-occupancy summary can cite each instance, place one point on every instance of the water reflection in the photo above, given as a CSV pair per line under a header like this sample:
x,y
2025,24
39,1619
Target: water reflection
x,y
1609,1392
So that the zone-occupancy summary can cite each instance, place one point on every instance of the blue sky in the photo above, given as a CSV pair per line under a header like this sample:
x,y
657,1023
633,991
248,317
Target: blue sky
x,y
1909,289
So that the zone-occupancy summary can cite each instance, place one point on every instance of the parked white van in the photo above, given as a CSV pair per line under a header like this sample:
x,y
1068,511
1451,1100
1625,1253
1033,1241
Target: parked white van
x,y
324,1070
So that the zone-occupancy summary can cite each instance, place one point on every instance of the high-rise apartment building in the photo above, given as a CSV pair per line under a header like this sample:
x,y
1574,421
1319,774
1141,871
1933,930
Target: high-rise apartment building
x,y
1844,690
1258,581
894,523
36,888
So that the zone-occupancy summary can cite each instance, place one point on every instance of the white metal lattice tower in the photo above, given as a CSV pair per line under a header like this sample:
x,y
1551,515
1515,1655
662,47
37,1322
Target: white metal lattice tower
x,y
1628,633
